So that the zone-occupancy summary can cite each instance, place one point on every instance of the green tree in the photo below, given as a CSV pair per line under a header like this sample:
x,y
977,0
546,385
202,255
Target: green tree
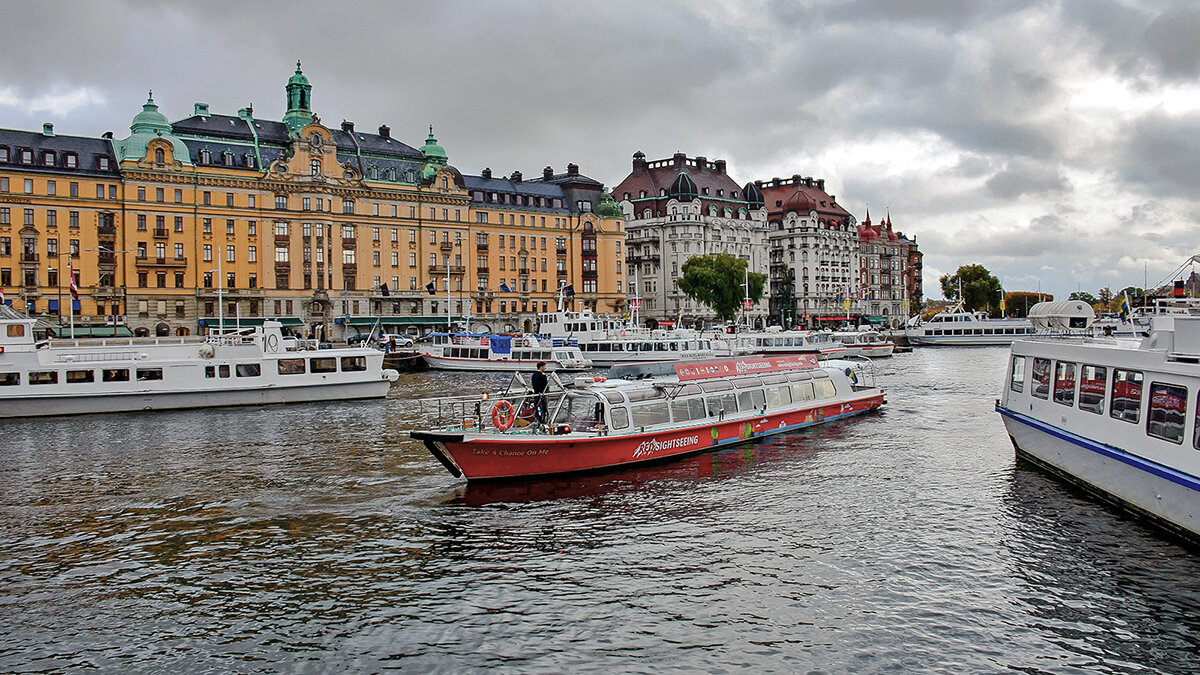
x,y
716,281
1084,296
980,290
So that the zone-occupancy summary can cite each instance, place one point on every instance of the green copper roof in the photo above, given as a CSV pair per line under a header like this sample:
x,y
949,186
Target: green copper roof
x,y
432,151
150,119
609,208
298,77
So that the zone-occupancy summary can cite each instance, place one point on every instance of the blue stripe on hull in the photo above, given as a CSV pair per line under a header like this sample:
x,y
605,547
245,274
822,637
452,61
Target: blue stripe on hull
x,y
1154,468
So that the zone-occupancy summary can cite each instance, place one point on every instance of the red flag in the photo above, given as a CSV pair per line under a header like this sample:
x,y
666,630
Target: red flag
x,y
74,286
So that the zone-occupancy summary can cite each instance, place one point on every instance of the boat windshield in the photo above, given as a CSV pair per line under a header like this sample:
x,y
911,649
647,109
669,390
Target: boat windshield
x,y
583,411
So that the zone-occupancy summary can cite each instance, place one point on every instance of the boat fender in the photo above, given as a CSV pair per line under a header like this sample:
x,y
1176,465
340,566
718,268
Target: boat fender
x,y
504,415
207,351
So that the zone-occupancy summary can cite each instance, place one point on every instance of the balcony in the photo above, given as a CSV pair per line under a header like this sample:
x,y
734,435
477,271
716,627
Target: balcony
x,y
441,269
481,246
481,270
160,233
590,274
106,259
524,271
106,230
282,265
29,256
282,239
561,273
349,242
447,246
349,267
560,249
162,262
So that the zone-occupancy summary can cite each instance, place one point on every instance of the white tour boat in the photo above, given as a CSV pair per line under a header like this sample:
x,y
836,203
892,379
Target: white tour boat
x,y
607,341
501,353
957,326
864,342
595,423
1118,417
775,340
252,366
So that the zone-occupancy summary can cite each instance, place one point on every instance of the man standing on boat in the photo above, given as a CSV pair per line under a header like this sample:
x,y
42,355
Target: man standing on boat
x,y
539,382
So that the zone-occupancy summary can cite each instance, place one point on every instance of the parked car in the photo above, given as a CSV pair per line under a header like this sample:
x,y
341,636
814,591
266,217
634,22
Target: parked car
x,y
400,339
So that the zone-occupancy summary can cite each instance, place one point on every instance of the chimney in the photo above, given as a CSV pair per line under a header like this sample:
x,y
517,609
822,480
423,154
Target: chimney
x,y
487,173
107,134
678,159
47,129
547,173
720,166
639,161
516,176
347,127
701,162
821,184
201,109
385,131
572,169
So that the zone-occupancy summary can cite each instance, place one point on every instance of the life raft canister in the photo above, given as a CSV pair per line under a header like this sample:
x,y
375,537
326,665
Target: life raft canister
x,y
504,415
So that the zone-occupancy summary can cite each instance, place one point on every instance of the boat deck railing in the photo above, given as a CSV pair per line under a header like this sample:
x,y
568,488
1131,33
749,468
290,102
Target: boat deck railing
x,y
474,412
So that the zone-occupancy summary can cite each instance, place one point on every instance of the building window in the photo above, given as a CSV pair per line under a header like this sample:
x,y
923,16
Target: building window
x,y
281,201
252,254
206,225
314,167
179,251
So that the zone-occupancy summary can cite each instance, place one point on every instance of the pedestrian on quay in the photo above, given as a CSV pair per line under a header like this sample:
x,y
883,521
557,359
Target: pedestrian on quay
x,y
539,382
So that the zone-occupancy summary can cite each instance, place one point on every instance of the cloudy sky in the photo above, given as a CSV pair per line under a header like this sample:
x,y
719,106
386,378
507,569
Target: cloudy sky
x,y
1056,143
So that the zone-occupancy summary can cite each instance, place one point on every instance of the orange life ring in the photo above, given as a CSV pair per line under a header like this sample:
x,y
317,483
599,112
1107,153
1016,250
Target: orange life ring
x,y
504,415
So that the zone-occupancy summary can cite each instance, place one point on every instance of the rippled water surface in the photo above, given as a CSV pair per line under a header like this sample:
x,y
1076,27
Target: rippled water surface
x,y
317,538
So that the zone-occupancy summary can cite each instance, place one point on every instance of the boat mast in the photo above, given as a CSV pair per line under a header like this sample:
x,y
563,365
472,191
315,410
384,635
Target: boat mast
x,y
746,296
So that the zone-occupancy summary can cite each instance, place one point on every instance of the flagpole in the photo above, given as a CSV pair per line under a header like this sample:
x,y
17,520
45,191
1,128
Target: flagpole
x,y
75,292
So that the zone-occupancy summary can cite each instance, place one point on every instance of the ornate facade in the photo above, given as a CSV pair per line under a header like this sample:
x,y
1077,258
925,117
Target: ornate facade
x,y
327,229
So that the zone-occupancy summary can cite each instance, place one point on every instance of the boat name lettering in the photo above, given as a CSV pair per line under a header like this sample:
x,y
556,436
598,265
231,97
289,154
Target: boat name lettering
x,y
653,445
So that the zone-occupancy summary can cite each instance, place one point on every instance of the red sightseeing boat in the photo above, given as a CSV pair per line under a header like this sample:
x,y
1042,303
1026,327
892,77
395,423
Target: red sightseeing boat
x,y
593,423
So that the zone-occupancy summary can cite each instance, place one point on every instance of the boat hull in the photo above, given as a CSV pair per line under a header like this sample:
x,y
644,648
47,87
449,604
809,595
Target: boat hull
x,y
962,340
870,351
484,458
1166,497
65,404
494,365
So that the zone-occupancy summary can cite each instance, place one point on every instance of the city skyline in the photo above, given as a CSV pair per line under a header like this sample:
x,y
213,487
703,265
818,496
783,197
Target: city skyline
x,y
1052,144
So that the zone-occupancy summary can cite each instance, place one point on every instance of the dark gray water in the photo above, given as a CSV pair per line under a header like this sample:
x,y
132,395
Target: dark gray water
x,y
316,538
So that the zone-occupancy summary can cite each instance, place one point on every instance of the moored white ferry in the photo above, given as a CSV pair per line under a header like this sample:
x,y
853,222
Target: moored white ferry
x,y
593,423
1119,417
959,327
500,353
606,341
869,343
247,367
774,340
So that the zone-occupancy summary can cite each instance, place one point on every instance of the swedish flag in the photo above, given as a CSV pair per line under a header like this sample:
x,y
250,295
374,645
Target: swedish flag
x,y
1126,309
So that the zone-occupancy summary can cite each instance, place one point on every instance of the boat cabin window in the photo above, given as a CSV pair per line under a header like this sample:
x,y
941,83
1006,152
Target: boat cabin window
x,y
1168,412
802,391
80,376
354,364
16,330
799,377
685,410
824,389
1126,395
1016,379
614,397
10,379
779,396
774,379
144,374
248,370
223,370
751,399
716,386
721,404
650,414
619,417
115,375
44,377
1041,378
643,395
747,382
1064,383
291,366
323,365
1092,382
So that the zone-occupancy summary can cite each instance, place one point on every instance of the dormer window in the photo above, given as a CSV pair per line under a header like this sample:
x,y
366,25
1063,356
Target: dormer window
x,y
206,156
26,156
102,163
391,174
3,154
227,158
159,155
249,161
409,176
373,172
48,158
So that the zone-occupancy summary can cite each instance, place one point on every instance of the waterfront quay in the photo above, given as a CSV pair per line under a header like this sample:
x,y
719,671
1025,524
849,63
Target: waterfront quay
x,y
317,537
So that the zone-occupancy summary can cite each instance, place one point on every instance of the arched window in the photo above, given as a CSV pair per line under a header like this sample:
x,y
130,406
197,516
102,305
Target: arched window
x,y
314,167
159,155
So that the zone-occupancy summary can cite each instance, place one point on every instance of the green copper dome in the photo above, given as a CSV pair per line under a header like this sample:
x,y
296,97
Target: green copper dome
x,y
608,207
432,151
150,119
298,77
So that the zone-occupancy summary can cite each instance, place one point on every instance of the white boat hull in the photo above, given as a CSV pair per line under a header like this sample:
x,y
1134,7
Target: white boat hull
x,y
870,351
496,365
962,340
68,404
1166,496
